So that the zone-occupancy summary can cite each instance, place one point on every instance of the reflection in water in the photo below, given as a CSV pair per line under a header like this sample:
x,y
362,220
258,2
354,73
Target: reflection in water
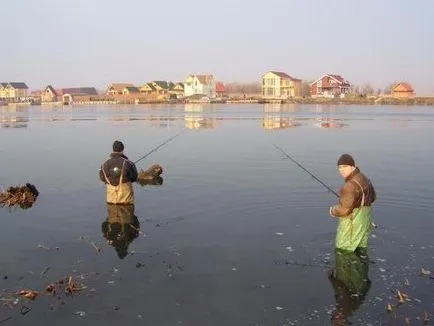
x,y
350,283
329,123
120,228
154,181
195,119
13,122
273,118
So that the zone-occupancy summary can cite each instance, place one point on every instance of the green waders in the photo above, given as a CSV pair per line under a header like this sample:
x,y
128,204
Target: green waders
x,y
353,230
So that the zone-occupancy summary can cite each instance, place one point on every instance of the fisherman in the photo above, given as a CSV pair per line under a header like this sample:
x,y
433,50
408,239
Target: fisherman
x,y
118,173
354,208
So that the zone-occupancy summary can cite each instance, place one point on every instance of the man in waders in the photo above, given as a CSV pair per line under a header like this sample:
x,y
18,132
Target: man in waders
x,y
118,173
354,208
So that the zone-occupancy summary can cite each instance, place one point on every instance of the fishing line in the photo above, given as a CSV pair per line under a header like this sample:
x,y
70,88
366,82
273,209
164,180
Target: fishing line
x,y
159,146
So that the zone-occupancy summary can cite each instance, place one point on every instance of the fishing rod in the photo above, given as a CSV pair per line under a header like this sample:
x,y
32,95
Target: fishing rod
x,y
304,169
161,145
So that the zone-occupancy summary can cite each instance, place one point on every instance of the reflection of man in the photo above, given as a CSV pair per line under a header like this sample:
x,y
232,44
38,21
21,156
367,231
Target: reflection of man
x,y
120,228
350,283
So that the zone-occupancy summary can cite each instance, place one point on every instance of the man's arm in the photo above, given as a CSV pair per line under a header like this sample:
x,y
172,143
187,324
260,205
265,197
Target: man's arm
x,y
347,199
132,172
101,174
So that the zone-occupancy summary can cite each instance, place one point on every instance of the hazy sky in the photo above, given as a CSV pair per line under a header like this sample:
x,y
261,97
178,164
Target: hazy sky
x,y
70,43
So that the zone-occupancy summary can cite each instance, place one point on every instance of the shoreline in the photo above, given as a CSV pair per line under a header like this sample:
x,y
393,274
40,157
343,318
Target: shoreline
x,y
372,100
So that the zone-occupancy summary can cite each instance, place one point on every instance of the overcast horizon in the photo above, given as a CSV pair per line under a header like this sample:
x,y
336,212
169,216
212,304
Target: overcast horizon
x,y
72,43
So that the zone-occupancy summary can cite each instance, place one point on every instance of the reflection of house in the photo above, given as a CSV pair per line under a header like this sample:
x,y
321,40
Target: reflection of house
x,y
278,122
279,85
13,90
195,119
402,89
117,88
330,86
330,123
200,84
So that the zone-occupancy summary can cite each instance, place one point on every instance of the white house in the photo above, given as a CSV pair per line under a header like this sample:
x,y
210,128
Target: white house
x,y
200,84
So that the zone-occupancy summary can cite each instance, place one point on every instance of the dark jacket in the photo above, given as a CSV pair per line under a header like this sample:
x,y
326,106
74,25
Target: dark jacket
x,y
113,166
350,195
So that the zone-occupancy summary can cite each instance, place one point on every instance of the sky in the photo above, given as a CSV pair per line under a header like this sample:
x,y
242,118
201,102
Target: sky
x,y
70,43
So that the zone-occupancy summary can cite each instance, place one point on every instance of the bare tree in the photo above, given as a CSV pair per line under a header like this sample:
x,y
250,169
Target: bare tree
x,y
305,88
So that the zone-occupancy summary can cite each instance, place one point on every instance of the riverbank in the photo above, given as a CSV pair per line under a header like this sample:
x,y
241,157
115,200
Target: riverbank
x,y
371,100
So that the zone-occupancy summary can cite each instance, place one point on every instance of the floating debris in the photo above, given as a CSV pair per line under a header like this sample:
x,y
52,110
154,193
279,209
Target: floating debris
x,y
151,176
401,296
23,196
28,294
389,307
424,271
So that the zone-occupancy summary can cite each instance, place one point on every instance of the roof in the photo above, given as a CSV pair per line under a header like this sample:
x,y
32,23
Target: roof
x,y
284,75
163,84
120,86
405,87
179,85
80,91
16,85
132,89
152,87
205,79
219,87
51,89
341,80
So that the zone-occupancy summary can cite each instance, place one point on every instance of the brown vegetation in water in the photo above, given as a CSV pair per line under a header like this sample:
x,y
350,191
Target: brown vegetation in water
x,y
23,196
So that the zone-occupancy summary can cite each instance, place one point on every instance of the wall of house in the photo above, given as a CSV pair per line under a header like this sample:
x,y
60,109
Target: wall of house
x,y
270,86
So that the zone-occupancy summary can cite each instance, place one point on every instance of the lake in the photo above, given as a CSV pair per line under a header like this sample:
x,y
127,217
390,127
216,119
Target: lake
x,y
235,235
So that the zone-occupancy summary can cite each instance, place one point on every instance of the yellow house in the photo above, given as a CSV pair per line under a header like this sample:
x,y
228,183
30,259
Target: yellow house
x,y
159,90
279,85
402,89
177,90
49,95
13,90
117,88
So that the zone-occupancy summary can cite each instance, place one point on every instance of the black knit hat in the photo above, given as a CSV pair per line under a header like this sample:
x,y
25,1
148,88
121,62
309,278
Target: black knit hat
x,y
346,159
118,146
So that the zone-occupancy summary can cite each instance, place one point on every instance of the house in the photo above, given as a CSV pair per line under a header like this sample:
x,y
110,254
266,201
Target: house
x,y
69,94
147,89
157,89
177,90
220,89
117,88
279,85
330,86
50,95
13,90
402,89
200,84
130,90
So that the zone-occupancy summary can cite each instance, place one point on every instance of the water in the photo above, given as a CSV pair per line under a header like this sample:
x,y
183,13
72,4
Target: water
x,y
235,235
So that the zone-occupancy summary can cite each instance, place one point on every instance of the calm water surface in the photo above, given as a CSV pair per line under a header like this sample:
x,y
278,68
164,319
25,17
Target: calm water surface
x,y
235,235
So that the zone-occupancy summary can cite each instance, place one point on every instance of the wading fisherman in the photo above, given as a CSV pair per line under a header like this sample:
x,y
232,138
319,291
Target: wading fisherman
x,y
118,173
354,208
